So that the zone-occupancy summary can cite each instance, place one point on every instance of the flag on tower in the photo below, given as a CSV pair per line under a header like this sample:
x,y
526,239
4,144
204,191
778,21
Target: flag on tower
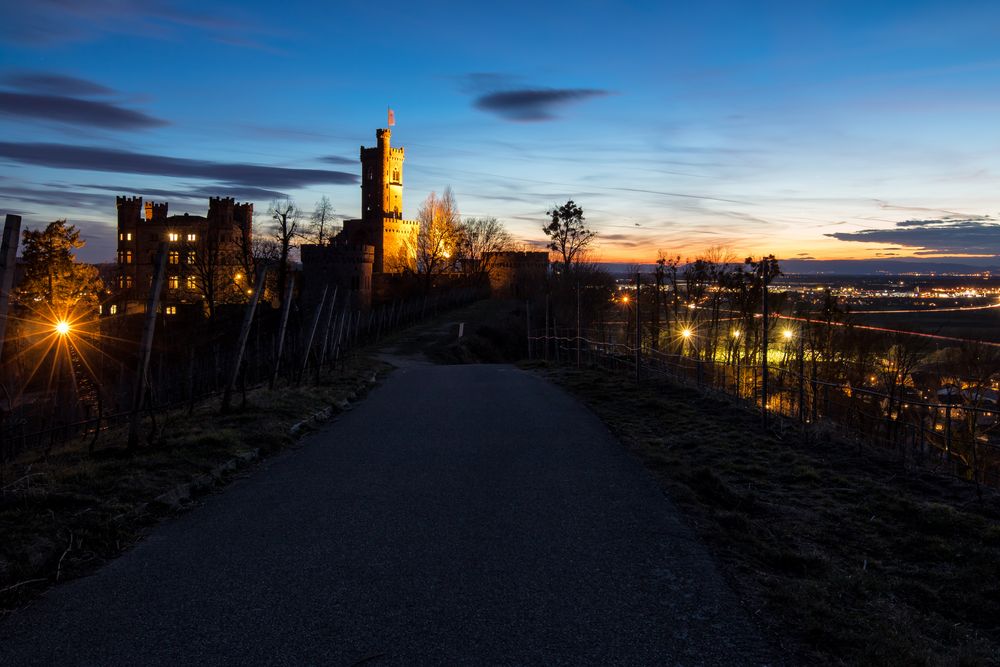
x,y
392,117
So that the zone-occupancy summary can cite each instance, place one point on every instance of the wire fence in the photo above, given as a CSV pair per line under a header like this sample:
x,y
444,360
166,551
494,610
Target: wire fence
x,y
960,436
306,344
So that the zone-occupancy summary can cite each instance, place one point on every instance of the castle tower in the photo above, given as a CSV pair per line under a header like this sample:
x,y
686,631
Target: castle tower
x,y
156,212
382,179
129,211
381,224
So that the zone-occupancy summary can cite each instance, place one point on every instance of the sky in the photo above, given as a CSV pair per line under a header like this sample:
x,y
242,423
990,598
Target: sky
x,y
826,130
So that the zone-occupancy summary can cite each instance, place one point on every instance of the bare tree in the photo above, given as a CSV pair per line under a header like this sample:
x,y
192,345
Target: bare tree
x,y
216,268
568,235
480,239
256,250
439,236
285,217
321,220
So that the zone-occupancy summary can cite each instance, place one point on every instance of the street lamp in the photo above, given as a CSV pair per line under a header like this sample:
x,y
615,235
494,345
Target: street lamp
x,y
62,327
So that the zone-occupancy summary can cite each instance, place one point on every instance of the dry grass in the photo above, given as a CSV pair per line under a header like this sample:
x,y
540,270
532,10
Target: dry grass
x,y
65,513
844,559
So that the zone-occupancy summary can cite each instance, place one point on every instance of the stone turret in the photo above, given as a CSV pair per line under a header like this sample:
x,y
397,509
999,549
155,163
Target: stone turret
x,y
156,212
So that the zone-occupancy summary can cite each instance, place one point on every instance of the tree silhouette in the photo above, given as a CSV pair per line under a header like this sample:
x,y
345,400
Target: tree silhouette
x,y
568,235
53,277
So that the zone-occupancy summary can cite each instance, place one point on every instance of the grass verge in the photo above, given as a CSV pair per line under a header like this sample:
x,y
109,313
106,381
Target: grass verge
x,y
63,514
843,558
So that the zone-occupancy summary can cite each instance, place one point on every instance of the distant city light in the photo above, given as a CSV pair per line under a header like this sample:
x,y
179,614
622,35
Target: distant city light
x,y
625,298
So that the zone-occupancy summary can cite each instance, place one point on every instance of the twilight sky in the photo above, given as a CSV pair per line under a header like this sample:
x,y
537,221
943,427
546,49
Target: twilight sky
x,y
808,129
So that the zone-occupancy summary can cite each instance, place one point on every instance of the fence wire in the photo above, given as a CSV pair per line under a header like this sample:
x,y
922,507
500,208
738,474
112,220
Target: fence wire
x,y
957,437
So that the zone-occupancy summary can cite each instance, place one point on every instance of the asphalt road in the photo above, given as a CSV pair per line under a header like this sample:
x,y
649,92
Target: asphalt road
x,y
459,515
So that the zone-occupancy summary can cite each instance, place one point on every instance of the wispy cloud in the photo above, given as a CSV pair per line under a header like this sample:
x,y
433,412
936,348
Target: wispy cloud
x,y
979,235
336,159
75,111
51,83
196,192
530,105
65,156
43,23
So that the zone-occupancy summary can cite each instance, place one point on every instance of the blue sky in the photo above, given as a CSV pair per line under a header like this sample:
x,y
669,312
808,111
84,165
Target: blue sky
x,y
807,129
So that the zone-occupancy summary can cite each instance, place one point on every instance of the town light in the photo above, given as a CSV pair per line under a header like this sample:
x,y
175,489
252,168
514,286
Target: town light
x,y
686,333
62,327
736,333
625,298
787,333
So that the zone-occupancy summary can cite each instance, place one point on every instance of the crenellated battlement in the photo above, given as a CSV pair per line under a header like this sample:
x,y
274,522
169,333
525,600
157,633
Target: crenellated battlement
x,y
156,212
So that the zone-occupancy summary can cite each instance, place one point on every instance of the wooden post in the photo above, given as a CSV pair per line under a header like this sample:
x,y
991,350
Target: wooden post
x,y
286,305
527,311
8,252
802,373
312,331
248,313
546,326
326,330
638,331
146,344
578,324
763,345
336,346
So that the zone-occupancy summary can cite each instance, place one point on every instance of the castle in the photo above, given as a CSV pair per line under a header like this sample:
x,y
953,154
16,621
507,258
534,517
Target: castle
x,y
199,248
368,250
202,248
382,225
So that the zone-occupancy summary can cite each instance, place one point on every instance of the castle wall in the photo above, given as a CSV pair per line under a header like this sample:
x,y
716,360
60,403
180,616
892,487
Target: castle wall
x,y
347,267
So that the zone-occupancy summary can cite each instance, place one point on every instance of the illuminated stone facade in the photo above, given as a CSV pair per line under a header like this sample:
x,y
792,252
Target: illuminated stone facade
x,y
223,232
382,225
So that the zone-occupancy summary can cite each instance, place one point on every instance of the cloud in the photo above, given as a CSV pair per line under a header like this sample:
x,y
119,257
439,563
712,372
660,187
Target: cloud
x,y
58,197
529,105
44,23
54,84
977,235
64,156
196,192
75,111
336,159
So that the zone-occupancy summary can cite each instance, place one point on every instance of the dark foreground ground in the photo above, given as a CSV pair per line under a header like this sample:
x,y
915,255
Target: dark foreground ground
x,y
461,514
